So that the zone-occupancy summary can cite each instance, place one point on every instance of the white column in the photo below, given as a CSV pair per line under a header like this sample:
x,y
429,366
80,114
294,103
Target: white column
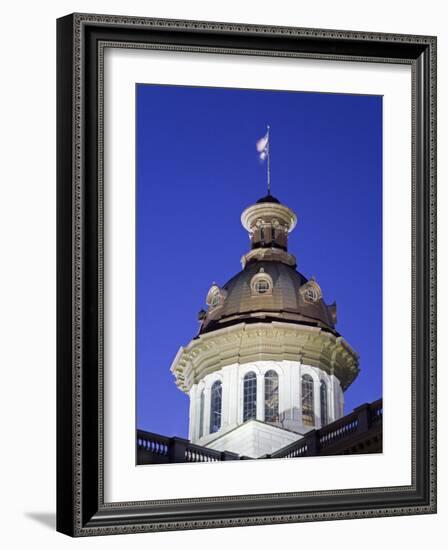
x,y
296,390
206,411
341,400
299,396
317,412
226,391
332,400
291,393
285,392
192,431
233,390
260,397
336,398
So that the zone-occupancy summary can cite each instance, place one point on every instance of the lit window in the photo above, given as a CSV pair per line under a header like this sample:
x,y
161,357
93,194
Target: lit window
x,y
262,286
307,400
249,396
271,396
201,413
215,407
323,403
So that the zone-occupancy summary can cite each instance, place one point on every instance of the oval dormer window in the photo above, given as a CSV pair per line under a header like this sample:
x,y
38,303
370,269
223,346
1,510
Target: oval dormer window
x,y
261,284
215,296
311,292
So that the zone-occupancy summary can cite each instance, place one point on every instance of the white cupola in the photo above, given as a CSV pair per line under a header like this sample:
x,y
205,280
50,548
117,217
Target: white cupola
x,y
268,364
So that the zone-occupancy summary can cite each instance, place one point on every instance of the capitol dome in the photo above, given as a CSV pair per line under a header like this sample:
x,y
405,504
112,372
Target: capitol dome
x,y
269,288
267,364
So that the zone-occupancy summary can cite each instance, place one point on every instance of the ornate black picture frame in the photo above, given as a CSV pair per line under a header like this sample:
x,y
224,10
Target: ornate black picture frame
x,y
81,509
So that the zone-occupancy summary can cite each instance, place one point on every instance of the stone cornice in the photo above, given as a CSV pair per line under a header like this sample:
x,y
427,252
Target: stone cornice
x,y
268,211
269,254
276,341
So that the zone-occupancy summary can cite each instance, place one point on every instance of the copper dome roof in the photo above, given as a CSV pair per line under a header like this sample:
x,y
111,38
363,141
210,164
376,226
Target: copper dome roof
x,y
269,288
290,297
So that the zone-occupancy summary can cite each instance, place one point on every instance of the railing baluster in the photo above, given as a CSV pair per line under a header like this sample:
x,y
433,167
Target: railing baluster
x,y
181,450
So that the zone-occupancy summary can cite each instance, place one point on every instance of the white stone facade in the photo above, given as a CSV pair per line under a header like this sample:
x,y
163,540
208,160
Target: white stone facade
x,y
290,350
290,420
254,439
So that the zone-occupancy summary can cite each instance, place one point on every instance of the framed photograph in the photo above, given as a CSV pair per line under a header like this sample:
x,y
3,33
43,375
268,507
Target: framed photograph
x,y
246,274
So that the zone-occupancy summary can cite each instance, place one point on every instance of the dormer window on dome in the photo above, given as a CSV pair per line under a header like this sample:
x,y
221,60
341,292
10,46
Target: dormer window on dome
x,y
311,292
215,296
261,284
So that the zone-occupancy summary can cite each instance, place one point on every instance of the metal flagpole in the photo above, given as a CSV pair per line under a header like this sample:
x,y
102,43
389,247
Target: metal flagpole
x,y
269,161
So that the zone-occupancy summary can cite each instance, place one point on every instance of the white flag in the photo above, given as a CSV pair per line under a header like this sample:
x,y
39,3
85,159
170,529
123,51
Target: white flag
x,y
263,146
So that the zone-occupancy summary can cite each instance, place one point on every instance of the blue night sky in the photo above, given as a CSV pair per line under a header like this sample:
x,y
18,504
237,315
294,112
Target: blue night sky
x,y
198,169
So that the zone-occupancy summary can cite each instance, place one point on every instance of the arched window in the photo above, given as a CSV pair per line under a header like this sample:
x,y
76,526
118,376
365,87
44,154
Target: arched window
x,y
215,406
323,403
307,400
271,396
249,396
201,413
